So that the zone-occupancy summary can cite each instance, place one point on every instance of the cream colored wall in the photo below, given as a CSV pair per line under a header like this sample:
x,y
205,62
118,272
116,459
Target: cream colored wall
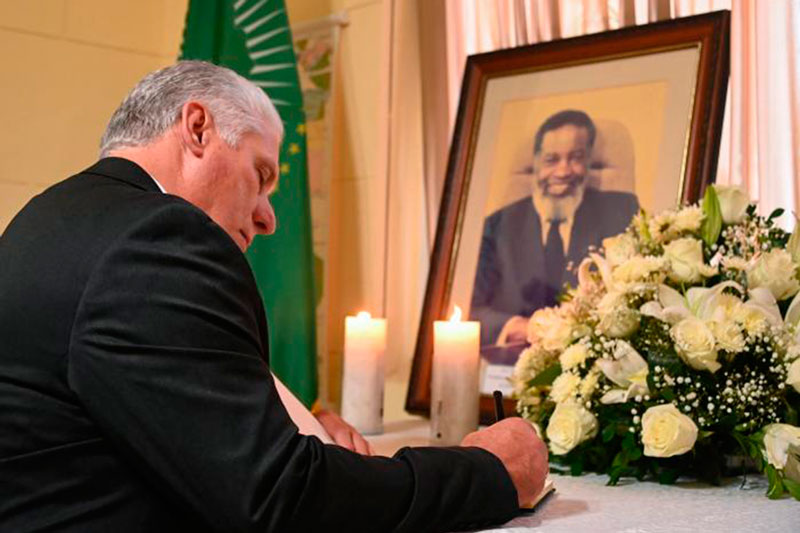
x,y
66,66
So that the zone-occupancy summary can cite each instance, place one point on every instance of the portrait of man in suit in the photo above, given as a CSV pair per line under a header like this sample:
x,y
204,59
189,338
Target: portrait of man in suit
x,y
527,245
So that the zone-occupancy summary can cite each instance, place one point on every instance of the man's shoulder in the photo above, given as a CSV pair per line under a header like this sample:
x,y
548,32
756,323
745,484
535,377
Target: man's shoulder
x,y
95,213
513,210
609,207
91,204
612,199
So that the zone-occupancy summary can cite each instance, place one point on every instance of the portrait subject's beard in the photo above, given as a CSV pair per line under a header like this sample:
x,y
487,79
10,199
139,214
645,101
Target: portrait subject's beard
x,y
550,206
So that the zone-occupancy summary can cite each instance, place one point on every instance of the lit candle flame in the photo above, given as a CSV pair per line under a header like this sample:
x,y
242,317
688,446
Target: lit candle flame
x,y
456,316
363,316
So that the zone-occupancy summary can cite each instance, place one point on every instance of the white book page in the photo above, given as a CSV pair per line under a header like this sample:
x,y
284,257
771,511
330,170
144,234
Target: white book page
x,y
549,487
302,417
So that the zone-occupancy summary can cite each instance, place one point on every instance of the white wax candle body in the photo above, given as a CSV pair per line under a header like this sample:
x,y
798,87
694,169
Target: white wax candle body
x,y
454,389
362,380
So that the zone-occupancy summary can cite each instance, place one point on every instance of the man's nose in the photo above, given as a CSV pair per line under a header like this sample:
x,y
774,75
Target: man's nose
x,y
264,218
563,168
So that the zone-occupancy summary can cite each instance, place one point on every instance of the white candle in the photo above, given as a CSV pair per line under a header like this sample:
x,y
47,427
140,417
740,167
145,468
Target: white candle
x,y
362,382
454,389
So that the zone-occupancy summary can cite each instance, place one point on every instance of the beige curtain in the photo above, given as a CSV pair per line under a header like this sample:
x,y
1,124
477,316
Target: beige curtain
x,y
760,148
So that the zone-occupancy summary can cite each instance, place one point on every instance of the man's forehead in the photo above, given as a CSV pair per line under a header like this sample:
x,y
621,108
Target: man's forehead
x,y
566,134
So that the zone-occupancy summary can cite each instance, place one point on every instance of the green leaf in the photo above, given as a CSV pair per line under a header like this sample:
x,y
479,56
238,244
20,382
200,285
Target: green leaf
x,y
793,487
668,476
793,246
776,213
614,474
712,223
576,468
704,434
644,228
668,394
546,376
635,454
608,432
775,490
621,459
628,442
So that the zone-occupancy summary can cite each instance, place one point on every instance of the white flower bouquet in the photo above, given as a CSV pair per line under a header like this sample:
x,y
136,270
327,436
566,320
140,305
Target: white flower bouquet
x,y
680,346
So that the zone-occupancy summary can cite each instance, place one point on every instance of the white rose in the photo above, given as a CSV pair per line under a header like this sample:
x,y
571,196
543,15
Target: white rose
x,y
778,439
620,248
733,203
695,344
570,425
667,432
550,329
686,260
616,319
573,356
776,271
688,219
793,376
729,336
565,387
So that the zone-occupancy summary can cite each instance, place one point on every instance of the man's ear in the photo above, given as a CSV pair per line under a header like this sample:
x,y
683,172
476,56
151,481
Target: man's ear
x,y
195,127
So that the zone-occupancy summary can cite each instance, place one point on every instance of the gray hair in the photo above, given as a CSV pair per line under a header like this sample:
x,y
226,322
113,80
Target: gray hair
x,y
154,105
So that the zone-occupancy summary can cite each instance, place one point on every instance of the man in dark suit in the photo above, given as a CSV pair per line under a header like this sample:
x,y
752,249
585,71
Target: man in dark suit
x,y
527,245
134,379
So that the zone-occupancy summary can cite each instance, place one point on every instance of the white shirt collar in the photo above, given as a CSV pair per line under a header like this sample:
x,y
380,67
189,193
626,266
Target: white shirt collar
x,y
159,185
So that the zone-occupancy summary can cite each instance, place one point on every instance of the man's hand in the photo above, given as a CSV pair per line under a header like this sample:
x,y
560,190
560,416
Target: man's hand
x,y
343,433
523,453
514,330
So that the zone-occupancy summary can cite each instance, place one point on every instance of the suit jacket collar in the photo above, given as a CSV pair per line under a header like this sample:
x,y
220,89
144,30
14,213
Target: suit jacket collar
x,y
124,170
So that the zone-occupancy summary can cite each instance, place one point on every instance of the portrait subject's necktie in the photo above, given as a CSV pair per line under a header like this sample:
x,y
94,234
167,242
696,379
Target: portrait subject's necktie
x,y
554,257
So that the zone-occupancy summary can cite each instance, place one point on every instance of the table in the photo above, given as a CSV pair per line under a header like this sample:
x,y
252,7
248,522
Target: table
x,y
585,504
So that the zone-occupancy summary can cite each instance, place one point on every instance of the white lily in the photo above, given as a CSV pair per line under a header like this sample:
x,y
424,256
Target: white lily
x,y
628,370
793,313
700,302
604,268
763,300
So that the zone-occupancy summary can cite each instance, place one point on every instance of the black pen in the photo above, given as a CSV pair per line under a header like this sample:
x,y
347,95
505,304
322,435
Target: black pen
x,y
499,414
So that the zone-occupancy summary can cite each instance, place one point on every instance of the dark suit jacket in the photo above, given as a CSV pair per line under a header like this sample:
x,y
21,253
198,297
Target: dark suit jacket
x,y
135,392
511,280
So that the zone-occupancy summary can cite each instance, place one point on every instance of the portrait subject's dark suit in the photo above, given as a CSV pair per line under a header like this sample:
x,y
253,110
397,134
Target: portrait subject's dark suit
x,y
510,279
135,391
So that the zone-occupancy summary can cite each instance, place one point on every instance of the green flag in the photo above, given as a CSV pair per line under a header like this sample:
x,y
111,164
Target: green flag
x,y
253,38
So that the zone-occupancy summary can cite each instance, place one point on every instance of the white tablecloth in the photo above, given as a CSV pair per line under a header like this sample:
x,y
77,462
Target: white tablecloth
x,y
585,504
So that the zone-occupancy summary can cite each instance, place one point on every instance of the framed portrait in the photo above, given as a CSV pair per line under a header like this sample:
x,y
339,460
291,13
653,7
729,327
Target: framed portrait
x,y
556,147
